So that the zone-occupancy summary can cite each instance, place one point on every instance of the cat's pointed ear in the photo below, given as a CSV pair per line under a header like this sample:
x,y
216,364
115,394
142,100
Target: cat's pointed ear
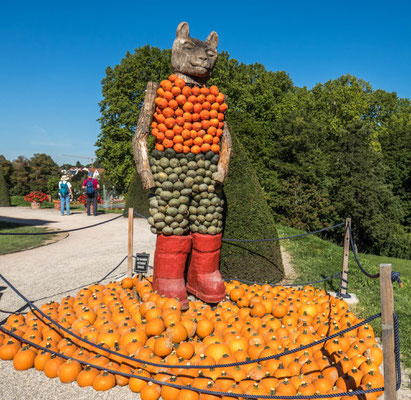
x,y
212,39
183,31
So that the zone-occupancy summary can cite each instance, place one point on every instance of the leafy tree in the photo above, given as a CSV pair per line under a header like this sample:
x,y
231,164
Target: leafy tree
x,y
19,178
4,191
97,164
53,186
65,166
362,193
395,142
42,168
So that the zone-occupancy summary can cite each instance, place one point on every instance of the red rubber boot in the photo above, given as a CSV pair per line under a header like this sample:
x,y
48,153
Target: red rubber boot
x,y
204,279
169,265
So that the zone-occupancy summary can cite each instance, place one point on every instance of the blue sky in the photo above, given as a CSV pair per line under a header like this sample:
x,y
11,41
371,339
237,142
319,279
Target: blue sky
x,y
54,54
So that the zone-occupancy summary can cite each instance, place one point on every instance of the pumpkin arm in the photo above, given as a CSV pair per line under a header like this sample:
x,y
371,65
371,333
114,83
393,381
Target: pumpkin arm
x,y
225,155
139,142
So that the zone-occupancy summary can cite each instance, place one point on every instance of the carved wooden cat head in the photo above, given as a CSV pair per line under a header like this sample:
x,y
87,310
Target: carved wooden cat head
x,y
192,59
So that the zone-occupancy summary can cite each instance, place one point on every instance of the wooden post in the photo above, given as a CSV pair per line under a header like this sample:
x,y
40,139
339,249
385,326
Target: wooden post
x,y
344,276
387,319
130,242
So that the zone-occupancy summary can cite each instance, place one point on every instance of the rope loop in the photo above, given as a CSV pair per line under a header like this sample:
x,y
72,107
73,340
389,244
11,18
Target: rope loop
x,y
395,277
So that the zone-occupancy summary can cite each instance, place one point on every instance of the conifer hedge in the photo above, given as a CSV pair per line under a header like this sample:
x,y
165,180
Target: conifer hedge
x,y
137,197
4,191
248,216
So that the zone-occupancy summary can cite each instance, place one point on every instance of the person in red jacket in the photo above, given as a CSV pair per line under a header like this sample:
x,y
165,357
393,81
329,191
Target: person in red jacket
x,y
91,186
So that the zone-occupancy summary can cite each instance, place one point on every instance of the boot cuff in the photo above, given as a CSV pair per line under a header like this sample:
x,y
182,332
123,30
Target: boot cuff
x,y
206,243
173,244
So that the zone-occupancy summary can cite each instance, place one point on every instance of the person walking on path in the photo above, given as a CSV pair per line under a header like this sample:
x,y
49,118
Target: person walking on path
x,y
91,185
65,194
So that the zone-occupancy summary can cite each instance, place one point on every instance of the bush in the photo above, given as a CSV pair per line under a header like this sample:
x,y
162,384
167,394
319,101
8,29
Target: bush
x,y
137,197
4,191
248,216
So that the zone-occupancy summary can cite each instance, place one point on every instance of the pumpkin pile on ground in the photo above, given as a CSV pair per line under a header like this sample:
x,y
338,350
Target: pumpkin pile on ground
x,y
255,322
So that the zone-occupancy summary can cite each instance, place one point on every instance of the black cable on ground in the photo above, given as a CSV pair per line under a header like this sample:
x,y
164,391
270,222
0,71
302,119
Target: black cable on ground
x,y
192,388
55,232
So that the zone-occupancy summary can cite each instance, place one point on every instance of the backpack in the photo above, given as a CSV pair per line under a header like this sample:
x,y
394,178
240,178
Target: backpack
x,y
64,190
90,187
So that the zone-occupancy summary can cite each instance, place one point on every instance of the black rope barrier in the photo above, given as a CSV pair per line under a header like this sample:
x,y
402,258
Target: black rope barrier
x,y
284,353
397,351
55,232
283,238
139,215
372,276
192,388
395,276
285,284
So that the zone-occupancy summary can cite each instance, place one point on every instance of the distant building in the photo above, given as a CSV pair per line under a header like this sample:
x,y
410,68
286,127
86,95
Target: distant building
x,y
75,170
96,172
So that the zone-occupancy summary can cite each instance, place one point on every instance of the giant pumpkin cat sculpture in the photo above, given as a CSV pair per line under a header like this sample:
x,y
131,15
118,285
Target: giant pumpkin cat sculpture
x,y
186,170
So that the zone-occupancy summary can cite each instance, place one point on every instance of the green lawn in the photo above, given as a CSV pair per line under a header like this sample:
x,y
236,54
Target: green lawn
x,y
10,244
314,258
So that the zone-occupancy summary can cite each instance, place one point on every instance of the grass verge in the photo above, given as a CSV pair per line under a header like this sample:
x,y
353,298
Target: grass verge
x,y
314,258
11,244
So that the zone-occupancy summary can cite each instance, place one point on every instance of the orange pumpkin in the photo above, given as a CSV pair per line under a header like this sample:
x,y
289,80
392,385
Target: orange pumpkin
x,y
104,381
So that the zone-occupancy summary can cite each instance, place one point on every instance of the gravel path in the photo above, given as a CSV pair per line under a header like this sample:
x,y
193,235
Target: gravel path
x,y
82,257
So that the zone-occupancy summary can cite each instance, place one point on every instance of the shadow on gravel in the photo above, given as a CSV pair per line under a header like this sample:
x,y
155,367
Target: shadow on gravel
x,y
25,221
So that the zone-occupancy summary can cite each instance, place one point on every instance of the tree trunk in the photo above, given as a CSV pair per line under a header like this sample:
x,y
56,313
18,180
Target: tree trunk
x,y
140,137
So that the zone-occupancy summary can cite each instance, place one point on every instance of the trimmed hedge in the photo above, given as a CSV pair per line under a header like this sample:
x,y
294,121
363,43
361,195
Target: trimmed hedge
x,y
4,191
248,216
137,197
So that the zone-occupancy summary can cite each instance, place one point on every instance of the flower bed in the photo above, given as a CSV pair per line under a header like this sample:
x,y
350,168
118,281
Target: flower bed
x,y
36,197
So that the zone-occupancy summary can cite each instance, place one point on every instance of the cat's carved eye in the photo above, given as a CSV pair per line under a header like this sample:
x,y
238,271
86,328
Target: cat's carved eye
x,y
188,46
